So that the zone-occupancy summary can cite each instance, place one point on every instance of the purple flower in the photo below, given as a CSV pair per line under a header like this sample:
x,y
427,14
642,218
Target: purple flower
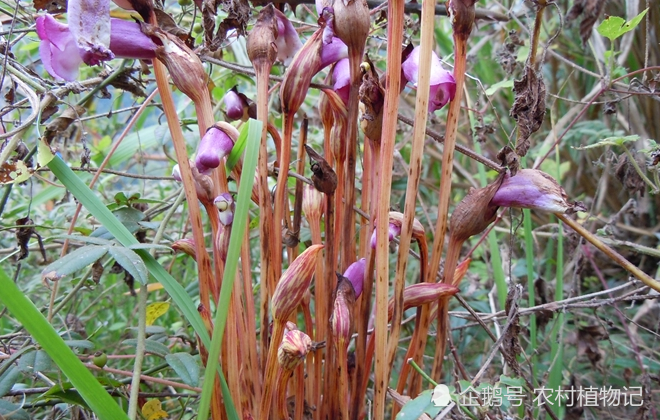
x,y
393,230
89,22
341,76
288,42
235,105
61,55
536,190
443,85
225,203
355,274
215,145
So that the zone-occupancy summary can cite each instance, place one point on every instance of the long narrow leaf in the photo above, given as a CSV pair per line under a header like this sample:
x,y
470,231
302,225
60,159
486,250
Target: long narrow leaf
x,y
34,322
238,227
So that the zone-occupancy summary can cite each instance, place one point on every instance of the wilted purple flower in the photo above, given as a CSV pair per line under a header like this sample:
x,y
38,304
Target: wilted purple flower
x,y
355,274
62,57
288,42
215,145
443,85
341,76
225,203
536,190
235,105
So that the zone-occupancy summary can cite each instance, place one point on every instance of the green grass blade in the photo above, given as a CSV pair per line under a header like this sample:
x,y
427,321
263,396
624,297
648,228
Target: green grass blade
x,y
33,321
231,264
114,226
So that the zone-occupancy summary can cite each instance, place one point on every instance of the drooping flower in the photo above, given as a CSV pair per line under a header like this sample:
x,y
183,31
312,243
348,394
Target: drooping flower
x,y
443,85
293,349
225,203
288,42
536,190
355,274
236,105
62,57
215,145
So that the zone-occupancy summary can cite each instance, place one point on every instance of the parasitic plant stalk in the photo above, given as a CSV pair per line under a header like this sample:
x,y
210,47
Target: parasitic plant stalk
x,y
394,49
351,23
262,53
462,18
414,173
288,294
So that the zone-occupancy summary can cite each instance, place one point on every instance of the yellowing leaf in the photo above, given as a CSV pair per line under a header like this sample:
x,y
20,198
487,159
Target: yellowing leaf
x,y
151,287
152,410
155,310
45,154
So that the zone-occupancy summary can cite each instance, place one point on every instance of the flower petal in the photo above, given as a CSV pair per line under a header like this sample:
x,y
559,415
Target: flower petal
x,y
58,50
128,41
341,75
89,22
288,42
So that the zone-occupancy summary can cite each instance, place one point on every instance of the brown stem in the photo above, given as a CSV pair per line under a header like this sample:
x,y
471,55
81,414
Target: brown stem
x,y
281,193
342,362
394,49
270,377
252,377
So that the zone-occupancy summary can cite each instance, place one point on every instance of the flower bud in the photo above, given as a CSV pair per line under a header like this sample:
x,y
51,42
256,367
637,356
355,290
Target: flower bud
x,y
294,282
536,190
422,293
236,105
342,313
261,47
461,13
225,203
393,231
474,213
351,22
312,202
186,245
184,66
355,274
293,349
216,144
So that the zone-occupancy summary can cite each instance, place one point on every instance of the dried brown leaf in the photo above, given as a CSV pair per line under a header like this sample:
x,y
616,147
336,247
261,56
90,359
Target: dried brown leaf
x,y
528,108
63,122
590,10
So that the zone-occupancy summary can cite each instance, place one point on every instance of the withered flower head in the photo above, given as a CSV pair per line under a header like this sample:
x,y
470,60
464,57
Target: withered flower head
x,y
293,349
342,313
217,143
184,66
294,282
203,183
461,13
536,190
261,46
324,177
351,22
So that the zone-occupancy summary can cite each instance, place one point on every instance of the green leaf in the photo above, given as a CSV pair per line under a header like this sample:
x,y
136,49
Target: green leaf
x,y
413,409
610,141
77,260
149,246
36,325
70,396
86,239
81,344
237,150
131,262
8,379
499,85
185,366
614,27
150,346
34,362
11,411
